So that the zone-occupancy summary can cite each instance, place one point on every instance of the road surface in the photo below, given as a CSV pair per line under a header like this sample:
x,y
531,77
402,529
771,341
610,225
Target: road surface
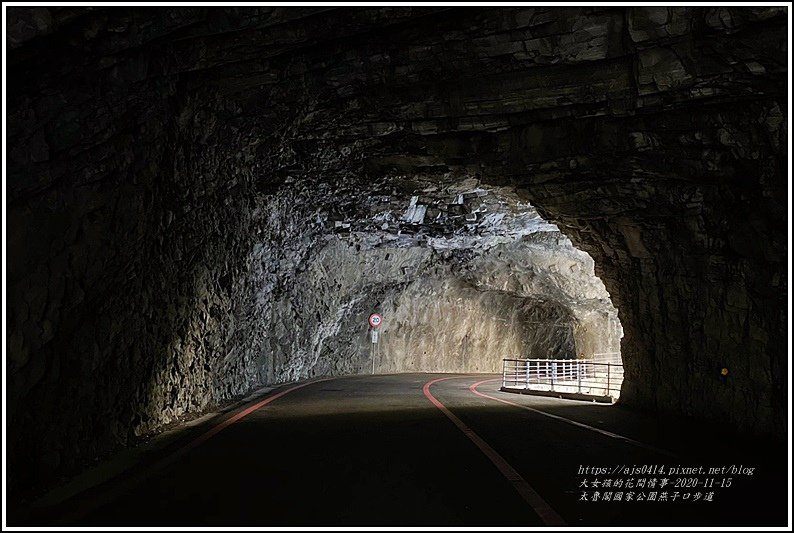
x,y
427,450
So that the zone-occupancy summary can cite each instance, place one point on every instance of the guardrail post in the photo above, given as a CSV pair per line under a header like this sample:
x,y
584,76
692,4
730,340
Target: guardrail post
x,y
526,375
579,375
608,366
553,373
546,372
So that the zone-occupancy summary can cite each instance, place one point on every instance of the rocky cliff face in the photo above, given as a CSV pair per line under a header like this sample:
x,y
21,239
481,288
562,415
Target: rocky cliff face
x,y
455,294
204,199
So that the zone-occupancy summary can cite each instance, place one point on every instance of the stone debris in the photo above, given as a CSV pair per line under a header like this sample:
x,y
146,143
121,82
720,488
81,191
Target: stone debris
x,y
415,214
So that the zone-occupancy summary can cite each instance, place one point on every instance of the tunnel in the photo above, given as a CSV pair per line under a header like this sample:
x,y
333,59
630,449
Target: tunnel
x,y
202,202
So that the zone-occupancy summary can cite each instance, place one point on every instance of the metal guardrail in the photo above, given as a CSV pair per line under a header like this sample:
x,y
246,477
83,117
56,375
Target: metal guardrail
x,y
582,376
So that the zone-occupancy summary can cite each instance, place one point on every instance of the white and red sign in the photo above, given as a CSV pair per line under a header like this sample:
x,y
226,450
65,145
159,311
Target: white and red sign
x,y
375,320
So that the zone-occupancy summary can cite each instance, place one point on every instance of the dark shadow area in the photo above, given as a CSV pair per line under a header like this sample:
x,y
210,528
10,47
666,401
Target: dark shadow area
x,y
373,451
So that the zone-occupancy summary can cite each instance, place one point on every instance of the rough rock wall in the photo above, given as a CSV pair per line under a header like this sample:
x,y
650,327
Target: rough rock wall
x,y
127,299
142,141
446,312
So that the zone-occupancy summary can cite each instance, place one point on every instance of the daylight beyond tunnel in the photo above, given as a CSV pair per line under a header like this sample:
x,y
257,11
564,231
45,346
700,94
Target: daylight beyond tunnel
x,y
202,201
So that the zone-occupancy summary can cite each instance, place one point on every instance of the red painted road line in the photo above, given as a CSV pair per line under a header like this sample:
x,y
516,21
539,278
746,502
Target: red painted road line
x,y
229,421
86,506
473,389
538,504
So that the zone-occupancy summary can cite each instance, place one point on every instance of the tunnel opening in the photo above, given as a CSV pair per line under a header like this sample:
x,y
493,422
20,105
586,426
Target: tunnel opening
x,y
464,275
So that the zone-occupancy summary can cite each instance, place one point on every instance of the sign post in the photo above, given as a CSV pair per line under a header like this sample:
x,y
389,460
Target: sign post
x,y
374,320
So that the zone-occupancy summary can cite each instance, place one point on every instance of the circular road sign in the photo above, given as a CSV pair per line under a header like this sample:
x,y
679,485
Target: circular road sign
x,y
375,320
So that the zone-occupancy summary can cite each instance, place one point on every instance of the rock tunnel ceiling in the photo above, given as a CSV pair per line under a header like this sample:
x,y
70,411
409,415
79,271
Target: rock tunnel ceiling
x,y
202,200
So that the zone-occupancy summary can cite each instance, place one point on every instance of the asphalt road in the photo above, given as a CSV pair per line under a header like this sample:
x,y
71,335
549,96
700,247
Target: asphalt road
x,y
431,450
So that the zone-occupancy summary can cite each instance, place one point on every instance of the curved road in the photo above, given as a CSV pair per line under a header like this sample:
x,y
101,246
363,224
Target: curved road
x,y
422,450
